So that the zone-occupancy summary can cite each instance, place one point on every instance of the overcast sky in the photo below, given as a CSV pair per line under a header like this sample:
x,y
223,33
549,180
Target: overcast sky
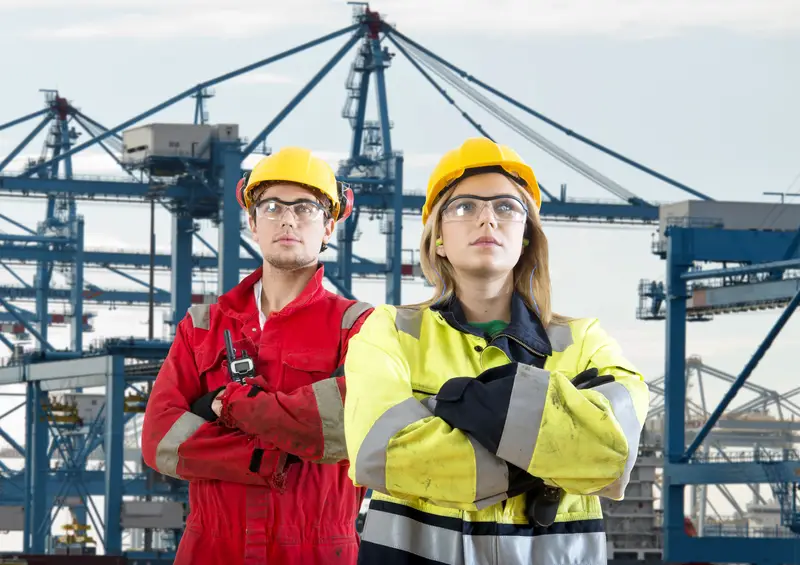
x,y
704,91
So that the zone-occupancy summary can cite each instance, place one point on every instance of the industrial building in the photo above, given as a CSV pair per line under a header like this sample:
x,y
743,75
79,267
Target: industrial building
x,y
720,258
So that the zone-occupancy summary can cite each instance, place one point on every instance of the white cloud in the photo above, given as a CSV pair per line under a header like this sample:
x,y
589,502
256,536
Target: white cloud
x,y
170,24
421,160
87,163
149,19
624,17
331,157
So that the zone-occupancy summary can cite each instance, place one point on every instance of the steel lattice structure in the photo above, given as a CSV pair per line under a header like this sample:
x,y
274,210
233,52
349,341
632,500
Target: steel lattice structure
x,y
200,186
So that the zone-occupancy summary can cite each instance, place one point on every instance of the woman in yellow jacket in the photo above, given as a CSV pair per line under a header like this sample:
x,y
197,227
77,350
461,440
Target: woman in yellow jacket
x,y
486,425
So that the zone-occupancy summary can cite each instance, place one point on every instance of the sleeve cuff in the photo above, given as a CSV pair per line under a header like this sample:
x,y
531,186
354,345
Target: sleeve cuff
x,y
233,392
523,416
202,406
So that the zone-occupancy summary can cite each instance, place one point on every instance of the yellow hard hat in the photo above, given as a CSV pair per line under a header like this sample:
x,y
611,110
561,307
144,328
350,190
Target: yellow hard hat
x,y
297,165
478,152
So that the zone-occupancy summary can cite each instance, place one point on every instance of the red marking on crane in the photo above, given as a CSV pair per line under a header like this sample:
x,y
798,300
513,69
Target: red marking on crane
x,y
61,106
373,23
56,319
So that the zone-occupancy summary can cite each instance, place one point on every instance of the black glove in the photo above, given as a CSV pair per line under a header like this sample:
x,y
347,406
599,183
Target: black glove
x,y
590,379
496,373
478,406
202,406
520,481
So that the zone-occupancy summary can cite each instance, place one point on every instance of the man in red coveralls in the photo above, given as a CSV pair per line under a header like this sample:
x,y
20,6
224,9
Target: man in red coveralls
x,y
263,448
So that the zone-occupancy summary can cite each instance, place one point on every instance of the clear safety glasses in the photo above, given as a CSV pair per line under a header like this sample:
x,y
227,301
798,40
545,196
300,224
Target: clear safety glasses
x,y
303,210
469,208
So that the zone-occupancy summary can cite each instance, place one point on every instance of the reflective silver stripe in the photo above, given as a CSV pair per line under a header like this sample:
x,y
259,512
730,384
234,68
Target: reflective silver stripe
x,y
453,548
491,476
199,313
167,450
625,413
429,402
409,320
331,412
524,417
371,459
431,542
560,336
551,549
353,313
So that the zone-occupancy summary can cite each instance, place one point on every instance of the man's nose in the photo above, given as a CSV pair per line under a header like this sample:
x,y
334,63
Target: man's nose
x,y
288,218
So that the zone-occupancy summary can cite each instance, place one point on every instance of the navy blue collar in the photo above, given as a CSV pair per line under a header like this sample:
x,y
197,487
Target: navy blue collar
x,y
525,327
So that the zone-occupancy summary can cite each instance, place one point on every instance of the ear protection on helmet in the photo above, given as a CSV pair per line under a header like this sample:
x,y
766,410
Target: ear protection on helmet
x,y
240,188
346,201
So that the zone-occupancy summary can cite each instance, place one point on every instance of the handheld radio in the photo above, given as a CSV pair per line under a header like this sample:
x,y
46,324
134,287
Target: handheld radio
x,y
239,368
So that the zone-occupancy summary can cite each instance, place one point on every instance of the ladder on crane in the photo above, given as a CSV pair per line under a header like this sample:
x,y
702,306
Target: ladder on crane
x,y
787,494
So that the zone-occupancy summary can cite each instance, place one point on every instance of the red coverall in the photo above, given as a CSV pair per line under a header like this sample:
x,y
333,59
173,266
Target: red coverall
x,y
248,504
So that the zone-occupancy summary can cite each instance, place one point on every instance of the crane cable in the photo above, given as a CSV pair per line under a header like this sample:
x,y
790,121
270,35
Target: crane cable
x,y
517,125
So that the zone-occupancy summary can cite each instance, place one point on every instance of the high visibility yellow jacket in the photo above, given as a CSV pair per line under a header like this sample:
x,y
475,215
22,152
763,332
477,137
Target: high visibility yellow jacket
x,y
452,496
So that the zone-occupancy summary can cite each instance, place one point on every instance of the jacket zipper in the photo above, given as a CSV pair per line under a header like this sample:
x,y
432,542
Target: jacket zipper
x,y
525,345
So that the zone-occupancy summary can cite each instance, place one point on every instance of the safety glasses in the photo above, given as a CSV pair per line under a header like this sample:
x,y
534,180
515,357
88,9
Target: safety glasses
x,y
467,208
304,211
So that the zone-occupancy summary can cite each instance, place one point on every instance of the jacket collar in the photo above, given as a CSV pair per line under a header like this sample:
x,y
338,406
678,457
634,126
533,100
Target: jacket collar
x,y
239,303
525,325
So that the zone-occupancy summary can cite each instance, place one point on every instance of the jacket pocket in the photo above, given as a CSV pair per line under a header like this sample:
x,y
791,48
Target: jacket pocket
x,y
302,368
213,367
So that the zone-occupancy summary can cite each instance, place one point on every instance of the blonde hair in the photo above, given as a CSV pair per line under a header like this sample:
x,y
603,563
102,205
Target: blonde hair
x,y
533,261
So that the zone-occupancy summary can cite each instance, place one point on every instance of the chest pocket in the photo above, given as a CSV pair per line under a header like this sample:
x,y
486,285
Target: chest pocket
x,y
213,365
302,368
431,367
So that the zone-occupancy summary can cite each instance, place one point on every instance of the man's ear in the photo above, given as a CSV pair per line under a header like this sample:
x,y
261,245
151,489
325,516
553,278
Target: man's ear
x,y
251,222
330,224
